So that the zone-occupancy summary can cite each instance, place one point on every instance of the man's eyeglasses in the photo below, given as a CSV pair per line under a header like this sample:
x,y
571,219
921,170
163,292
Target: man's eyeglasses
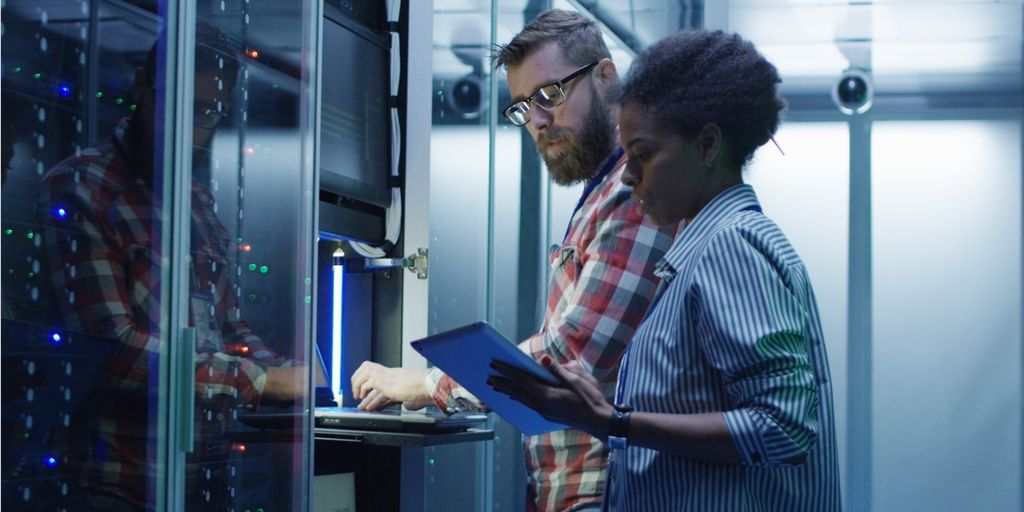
x,y
206,116
547,97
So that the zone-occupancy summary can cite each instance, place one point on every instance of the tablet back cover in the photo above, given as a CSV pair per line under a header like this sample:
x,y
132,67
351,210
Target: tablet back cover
x,y
465,354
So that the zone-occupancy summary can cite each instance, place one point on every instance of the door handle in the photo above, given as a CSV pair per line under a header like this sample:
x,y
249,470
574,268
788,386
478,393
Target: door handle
x,y
186,390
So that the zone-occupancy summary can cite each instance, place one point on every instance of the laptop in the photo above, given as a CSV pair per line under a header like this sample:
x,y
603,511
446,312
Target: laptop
x,y
428,420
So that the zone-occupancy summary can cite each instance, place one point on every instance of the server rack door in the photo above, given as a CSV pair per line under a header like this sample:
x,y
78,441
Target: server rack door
x,y
250,255
83,262
93,159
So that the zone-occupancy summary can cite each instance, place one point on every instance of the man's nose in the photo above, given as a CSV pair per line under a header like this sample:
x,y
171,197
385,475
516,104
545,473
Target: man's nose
x,y
540,119
629,177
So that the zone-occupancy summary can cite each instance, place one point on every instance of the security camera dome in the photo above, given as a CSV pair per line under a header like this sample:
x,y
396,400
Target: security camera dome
x,y
854,92
466,95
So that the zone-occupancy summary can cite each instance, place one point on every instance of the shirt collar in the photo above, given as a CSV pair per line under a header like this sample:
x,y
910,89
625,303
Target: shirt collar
x,y
606,168
721,207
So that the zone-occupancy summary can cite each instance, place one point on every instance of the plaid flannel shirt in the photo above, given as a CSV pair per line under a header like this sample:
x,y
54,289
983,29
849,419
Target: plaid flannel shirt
x,y
105,262
602,280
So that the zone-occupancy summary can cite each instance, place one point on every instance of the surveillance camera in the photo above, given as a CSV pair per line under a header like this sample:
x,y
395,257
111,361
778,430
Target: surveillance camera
x,y
854,92
466,96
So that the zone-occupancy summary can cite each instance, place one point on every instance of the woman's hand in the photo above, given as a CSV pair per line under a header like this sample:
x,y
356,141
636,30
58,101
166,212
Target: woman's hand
x,y
575,400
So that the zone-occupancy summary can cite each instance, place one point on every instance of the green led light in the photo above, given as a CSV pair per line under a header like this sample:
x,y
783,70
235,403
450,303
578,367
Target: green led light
x,y
119,101
309,299
37,76
252,267
99,94
133,107
30,275
431,461
239,240
309,281
259,509
8,231
17,69
251,297
264,269
30,235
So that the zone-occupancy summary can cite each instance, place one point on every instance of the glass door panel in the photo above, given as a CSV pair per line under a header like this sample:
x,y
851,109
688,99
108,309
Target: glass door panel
x,y
947,310
249,259
83,262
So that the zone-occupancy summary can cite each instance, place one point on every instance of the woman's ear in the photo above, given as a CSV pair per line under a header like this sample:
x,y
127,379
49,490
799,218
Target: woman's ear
x,y
710,140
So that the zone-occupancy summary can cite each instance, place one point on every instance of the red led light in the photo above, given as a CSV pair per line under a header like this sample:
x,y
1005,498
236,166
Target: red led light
x,y
238,447
246,247
253,53
249,150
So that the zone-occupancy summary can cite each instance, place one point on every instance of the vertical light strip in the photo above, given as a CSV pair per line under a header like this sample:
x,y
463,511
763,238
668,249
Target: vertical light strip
x,y
338,272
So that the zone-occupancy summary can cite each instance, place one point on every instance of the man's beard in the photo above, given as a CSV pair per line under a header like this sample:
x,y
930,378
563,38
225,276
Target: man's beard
x,y
578,157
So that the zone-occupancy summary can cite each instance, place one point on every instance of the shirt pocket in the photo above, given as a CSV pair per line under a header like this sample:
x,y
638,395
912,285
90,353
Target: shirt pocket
x,y
565,268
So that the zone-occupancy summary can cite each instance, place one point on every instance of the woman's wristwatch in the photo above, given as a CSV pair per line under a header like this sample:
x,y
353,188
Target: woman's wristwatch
x,y
618,427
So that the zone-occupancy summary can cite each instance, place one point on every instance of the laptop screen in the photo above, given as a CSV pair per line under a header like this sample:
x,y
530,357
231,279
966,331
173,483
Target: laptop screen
x,y
320,377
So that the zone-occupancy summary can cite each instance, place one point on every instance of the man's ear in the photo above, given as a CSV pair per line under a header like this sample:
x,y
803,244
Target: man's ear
x,y
140,84
607,74
710,139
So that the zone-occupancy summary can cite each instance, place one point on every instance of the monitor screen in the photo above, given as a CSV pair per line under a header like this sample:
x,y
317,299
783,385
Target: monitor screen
x,y
355,116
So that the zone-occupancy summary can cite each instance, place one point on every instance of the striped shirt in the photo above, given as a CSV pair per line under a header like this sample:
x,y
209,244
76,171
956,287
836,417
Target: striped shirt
x,y
602,280
105,261
734,329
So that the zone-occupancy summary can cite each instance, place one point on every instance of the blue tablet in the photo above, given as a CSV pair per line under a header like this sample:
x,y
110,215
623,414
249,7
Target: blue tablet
x,y
465,354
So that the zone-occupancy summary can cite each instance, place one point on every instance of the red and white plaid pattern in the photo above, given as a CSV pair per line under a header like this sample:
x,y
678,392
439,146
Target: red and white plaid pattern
x,y
104,259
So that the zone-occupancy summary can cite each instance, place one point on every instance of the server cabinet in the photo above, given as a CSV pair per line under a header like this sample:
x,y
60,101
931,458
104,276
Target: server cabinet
x,y
157,254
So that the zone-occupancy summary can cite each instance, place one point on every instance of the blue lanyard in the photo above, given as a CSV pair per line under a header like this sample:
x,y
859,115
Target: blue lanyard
x,y
592,184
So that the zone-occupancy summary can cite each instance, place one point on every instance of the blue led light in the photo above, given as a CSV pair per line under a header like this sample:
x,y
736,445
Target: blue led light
x,y
64,90
55,338
338,273
60,212
51,461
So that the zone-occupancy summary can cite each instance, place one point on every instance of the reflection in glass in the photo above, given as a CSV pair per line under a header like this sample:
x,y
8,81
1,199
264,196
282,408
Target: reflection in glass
x,y
81,256
86,258
249,252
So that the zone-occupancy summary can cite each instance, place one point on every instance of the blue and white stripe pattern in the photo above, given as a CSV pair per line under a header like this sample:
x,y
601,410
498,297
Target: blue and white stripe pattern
x,y
735,329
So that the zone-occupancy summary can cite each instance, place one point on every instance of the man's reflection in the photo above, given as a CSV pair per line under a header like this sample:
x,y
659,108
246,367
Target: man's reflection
x,y
105,249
